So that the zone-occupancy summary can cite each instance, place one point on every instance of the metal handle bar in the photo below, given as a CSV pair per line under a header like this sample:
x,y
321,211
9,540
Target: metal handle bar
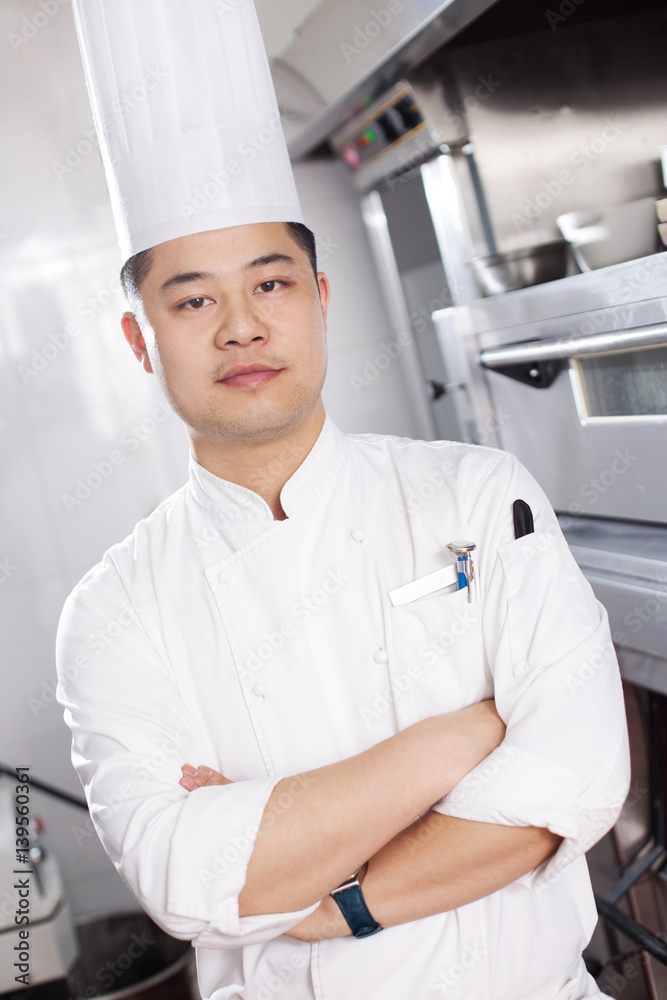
x,y
575,347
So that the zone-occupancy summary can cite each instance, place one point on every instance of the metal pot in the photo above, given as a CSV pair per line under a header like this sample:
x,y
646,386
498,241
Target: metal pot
x,y
124,956
505,272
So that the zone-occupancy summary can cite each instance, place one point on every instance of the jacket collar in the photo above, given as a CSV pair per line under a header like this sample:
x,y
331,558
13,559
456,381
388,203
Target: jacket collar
x,y
311,482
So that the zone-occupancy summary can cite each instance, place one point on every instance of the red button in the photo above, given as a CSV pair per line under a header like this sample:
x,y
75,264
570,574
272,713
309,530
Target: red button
x,y
351,156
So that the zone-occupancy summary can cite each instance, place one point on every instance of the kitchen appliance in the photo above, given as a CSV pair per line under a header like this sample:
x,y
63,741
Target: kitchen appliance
x,y
574,374
52,946
321,83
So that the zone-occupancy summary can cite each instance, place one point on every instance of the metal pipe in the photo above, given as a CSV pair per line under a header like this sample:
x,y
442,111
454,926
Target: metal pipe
x,y
575,347
480,197
651,942
57,793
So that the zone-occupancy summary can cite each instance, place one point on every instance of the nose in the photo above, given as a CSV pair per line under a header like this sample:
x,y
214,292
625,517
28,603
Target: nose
x,y
240,325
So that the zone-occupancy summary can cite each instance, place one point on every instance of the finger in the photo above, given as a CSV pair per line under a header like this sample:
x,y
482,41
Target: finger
x,y
207,776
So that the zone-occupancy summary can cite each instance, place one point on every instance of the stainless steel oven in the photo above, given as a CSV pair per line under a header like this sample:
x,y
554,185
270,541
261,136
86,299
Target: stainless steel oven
x,y
573,377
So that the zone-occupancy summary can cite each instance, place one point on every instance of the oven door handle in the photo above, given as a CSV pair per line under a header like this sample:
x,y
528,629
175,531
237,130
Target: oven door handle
x,y
562,349
540,362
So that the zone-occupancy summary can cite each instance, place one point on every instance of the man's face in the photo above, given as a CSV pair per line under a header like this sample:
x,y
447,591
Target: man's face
x,y
228,299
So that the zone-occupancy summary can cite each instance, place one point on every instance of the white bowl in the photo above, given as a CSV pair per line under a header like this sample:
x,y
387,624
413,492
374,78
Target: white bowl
x,y
611,235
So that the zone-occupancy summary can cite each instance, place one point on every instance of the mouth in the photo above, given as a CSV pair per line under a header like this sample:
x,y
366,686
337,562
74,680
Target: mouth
x,y
249,376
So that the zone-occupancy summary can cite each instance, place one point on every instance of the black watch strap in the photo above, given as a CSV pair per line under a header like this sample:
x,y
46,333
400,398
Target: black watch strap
x,y
352,905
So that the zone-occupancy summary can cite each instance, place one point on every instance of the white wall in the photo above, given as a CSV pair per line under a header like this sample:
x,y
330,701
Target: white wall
x,y
71,394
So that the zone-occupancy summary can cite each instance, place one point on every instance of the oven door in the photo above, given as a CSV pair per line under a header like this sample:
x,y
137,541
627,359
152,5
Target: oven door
x,y
580,398
589,415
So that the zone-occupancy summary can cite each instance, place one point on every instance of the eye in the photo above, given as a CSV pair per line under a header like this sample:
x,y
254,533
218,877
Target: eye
x,y
195,303
270,286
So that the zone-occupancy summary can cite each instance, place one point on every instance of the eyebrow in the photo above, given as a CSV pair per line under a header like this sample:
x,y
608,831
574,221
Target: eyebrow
x,y
269,258
186,277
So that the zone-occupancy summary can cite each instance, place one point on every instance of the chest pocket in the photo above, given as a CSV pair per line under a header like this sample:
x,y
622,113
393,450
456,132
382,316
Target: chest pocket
x,y
437,639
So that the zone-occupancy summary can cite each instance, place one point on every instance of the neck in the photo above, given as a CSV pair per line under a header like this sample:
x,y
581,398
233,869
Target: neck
x,y
263,467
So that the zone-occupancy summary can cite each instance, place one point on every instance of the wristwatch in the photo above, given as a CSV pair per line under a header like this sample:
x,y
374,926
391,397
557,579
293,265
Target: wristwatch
x,y
352,905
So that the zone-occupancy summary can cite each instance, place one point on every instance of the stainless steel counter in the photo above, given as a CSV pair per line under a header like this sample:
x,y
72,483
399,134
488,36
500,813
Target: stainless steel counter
x,y
626,564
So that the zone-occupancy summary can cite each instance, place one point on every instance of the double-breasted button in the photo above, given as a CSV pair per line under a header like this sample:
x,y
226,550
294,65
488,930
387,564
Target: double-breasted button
x,y
259,689
223,584
358,534
380,655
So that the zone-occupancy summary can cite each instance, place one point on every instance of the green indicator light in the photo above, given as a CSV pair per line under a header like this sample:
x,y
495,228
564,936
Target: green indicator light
x,y
371,135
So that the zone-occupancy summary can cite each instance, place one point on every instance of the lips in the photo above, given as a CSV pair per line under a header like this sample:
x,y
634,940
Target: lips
x,y
249,375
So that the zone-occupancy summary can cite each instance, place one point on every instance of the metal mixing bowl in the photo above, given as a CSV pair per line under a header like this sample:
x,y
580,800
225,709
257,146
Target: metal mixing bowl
x,y
505,272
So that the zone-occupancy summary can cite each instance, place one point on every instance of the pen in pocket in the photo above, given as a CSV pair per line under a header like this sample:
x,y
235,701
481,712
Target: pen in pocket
x,y
523,519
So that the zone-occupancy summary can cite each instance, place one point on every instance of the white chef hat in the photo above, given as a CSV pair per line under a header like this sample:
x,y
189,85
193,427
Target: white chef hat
x,y
186,115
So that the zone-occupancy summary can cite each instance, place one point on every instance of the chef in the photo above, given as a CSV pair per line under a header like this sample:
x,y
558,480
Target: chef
x,y
350,731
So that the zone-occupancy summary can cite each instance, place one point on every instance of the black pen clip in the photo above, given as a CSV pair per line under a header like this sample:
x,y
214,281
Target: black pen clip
x,y
523,519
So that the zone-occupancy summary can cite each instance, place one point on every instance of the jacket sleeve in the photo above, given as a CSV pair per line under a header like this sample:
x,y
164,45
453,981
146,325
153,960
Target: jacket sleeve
x,y
564,763
183,855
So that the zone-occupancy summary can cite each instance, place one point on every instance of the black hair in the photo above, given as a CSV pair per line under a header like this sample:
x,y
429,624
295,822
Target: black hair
x,y
135,270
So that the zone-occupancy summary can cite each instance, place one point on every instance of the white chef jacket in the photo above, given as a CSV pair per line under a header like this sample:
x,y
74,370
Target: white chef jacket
x,y
216,635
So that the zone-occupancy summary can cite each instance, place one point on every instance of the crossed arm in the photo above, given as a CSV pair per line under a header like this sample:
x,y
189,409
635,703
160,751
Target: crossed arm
x,y
323,824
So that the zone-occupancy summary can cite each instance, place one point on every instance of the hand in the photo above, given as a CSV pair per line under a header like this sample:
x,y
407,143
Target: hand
x,y
199,777
325,922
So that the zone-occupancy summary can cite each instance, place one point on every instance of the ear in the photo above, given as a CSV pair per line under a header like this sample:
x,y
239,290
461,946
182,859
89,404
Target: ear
x,y
135,339
325,293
